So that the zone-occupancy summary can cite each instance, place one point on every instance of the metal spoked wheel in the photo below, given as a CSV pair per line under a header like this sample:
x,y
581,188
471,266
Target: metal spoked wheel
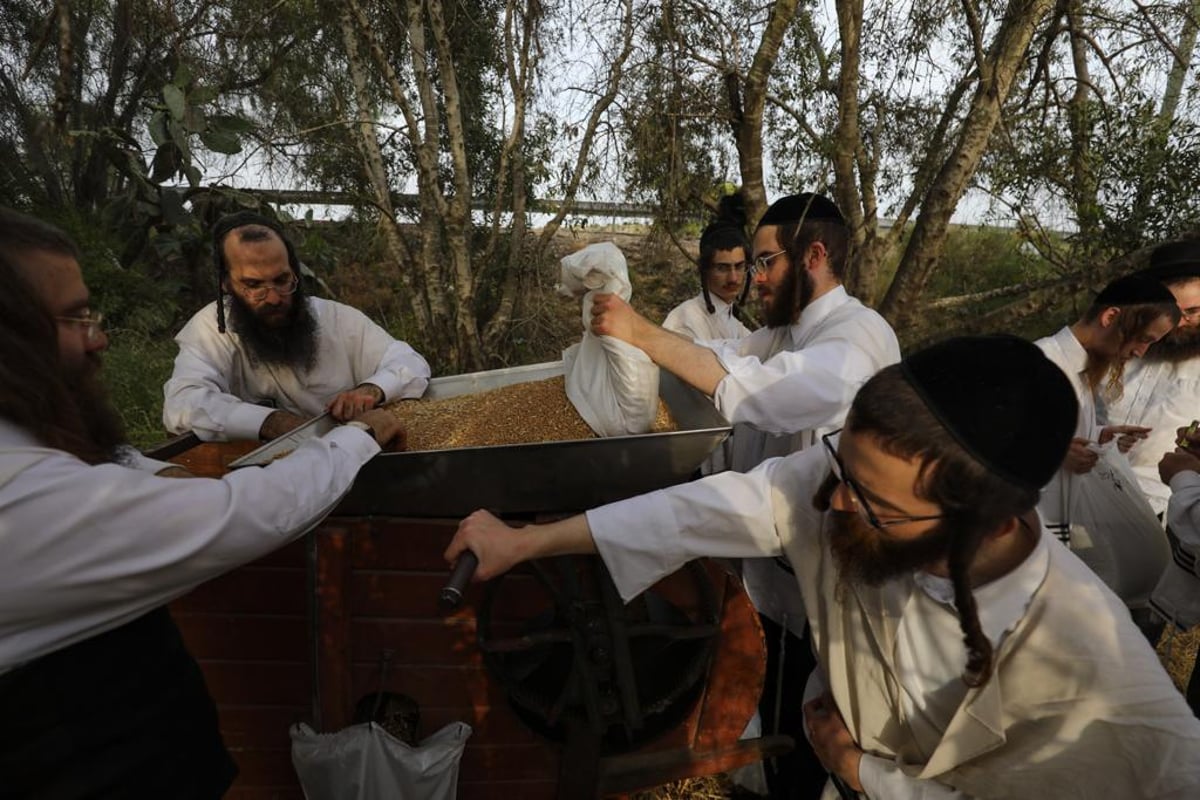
x,y
569,653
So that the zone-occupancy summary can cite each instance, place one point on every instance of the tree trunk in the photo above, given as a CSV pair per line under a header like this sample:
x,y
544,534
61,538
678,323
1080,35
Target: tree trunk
x,y
996,73
373,166
754,99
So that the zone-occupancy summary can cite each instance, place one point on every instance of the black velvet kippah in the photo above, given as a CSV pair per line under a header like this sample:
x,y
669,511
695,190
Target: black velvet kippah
x,y
803,207
1134,290
1008,405
1175,260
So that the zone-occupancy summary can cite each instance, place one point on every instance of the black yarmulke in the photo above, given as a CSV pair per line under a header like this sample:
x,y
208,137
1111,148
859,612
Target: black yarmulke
x,y
803,207
1000,398
1174,260
1132,290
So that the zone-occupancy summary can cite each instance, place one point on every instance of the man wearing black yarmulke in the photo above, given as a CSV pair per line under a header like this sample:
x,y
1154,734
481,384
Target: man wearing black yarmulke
x,y
1127,317
781,387
964,653
284,357
1162,389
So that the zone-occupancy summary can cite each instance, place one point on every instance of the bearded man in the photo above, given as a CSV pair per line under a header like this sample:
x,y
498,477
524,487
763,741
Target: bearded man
x,y
1162,389
101,698
298,355
964,653
782,387
1127,317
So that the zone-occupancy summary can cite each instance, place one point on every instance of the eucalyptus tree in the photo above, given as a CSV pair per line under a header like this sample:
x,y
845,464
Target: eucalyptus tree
x,y
457,85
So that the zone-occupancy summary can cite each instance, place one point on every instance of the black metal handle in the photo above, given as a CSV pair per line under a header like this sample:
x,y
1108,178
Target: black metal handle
x,y
451,596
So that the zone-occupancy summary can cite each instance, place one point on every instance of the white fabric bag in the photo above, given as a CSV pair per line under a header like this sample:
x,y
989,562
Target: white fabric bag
x,y
365,762
1113,529
612,384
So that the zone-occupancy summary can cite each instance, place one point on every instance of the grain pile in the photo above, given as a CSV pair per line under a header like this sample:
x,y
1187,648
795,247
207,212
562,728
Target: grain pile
x,y
523,413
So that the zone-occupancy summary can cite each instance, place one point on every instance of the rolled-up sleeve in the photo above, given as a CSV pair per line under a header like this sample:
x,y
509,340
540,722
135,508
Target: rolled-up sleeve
x,y
792,391
731,515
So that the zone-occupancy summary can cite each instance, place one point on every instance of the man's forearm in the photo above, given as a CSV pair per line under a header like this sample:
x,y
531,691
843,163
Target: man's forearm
x,y
570,536
693,363
279,423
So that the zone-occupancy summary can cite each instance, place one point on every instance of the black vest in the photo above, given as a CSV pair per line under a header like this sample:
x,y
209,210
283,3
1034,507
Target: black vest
x,y
125,714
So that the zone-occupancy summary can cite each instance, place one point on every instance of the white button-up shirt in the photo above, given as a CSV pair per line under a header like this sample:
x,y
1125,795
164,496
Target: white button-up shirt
x,y
89,548
1157,395
216,390
784,389
691,319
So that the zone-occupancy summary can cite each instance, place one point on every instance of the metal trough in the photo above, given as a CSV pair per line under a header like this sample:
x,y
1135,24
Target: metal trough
x,y
526,478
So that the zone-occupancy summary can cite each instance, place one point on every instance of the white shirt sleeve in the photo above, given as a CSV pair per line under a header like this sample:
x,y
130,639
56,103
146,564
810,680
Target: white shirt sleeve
x,y
87,548
401,372
1183,510
197,396
213,386
730,515
792,391
882,779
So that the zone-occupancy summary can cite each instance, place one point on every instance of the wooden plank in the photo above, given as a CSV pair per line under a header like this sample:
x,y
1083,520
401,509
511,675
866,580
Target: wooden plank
x,y
254,683
240,637
432,685
252,589
395,593
260,727
333,626
394,543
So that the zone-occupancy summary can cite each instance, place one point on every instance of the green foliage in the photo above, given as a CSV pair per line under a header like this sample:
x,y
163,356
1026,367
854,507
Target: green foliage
x,y
135,368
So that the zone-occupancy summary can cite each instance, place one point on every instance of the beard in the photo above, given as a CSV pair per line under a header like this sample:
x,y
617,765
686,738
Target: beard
x,y
1181,344
291,343
101,423
865,555
794,294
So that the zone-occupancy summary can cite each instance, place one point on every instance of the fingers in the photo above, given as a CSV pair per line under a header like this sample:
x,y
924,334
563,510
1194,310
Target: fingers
x,y
349,405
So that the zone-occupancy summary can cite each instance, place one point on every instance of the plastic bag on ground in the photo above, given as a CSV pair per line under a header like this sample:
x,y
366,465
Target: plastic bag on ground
x,y
365,762
1114,530
612,384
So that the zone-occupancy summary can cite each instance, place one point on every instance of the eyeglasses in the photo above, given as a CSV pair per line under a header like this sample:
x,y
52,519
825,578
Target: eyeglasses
x,y
258,290
92,322
730,267
763,263
856,496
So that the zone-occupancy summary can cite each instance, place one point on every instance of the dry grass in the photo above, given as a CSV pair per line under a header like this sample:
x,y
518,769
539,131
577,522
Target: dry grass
x,y
1177,651
708,787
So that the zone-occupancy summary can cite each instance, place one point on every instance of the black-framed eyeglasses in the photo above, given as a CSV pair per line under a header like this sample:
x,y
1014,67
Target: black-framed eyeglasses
x,y
856,496
763,263
92,322
258,291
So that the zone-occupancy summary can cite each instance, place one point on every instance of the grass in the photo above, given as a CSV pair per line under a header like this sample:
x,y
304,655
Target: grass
x,y
135,368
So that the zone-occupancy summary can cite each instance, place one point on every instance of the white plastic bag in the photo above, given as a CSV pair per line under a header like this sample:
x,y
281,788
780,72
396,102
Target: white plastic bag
x,y
365,762
612,384
1113,529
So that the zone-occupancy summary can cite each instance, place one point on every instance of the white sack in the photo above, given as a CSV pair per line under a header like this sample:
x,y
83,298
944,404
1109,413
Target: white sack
x,y
1113,529
365,762
612,384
